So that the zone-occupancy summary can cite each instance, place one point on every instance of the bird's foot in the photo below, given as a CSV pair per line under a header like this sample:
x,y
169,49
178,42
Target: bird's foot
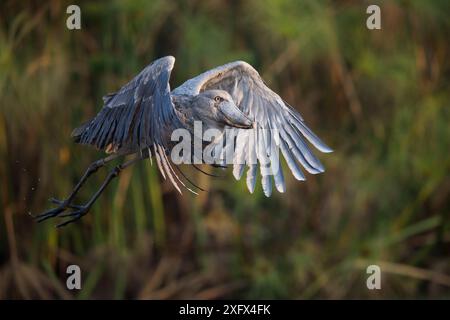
x,y
62,205
55,212
49,214
74,215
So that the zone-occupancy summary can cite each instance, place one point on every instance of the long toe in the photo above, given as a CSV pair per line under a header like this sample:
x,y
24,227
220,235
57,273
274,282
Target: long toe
x,y
81,211
65,223
57,201
75,215
49,214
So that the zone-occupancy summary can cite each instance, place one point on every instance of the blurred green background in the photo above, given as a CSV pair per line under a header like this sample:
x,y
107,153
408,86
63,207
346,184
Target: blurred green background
x,y
379,98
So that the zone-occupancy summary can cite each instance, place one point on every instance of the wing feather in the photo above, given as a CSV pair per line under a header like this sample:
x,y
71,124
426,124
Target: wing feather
x,y
283,127
137,116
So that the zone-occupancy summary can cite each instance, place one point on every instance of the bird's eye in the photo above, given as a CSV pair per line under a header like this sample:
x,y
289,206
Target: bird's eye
x,y
218,99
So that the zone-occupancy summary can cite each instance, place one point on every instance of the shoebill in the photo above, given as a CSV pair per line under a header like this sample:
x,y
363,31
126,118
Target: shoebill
x,y
140,117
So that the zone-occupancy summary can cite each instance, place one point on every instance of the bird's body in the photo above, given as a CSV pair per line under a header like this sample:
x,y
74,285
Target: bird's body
x,y
141,117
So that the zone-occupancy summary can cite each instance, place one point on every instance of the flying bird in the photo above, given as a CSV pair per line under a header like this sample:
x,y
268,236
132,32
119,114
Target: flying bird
x,y
140,118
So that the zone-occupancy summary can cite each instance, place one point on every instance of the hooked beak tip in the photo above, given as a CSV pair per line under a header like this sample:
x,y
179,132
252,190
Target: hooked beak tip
x,y
246,123
236,118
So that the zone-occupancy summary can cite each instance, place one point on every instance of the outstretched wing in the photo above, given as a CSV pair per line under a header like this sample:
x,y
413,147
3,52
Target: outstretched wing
x,y
281,124
136,117
140,116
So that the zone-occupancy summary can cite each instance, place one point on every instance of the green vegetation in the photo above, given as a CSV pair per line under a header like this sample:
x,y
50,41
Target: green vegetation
x,y
379,98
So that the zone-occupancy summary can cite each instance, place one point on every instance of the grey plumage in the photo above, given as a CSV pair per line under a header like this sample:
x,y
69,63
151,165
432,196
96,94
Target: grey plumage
x,y
144,112
268,111
137,116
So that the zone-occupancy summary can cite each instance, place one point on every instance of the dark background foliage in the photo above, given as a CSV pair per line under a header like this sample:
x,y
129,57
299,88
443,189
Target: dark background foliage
x,y
379,98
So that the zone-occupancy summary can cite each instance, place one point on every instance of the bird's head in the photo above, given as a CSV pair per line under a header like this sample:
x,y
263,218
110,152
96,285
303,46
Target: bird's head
x,y
216,109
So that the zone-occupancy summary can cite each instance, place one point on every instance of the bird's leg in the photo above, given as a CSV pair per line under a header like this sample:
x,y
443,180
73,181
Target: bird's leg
x,y
64,204
82,210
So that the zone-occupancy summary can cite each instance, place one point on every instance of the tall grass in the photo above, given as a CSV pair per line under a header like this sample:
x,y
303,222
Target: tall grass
x,y
379,98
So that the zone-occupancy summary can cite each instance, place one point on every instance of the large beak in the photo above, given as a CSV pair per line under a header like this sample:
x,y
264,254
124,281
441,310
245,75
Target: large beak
x,y
233,116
